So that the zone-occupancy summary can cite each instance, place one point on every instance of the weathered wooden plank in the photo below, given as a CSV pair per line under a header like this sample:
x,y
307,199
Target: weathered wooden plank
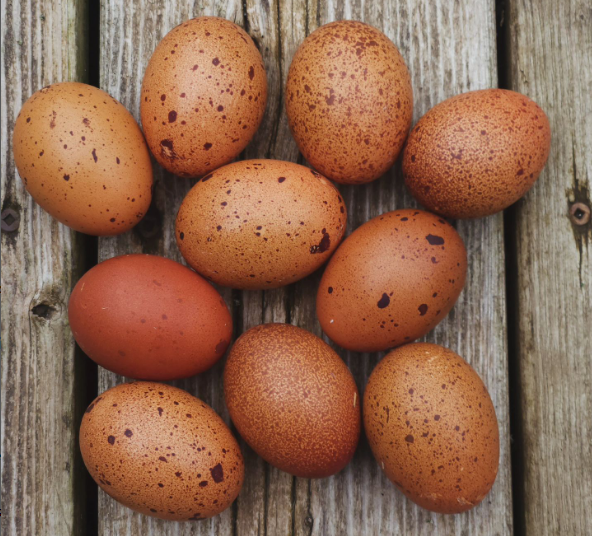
x,y
42,42
129,33
550,60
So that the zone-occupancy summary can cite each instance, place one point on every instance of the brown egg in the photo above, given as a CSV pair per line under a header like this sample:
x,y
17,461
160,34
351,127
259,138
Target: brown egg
x,y
83,158
293,400
393,280
477,153
260,224
160,451
203,96
349,101
432,427
148,317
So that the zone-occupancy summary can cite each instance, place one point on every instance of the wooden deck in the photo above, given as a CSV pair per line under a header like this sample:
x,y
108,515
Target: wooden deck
x,y
524,319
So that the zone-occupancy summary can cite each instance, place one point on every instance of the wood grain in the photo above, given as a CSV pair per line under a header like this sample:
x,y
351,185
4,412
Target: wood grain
x,y
449,48
550,60
42,42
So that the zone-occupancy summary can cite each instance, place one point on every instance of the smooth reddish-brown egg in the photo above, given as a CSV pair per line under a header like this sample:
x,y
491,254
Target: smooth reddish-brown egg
x,y
150,318
432,427
203,96
349,101
260,224
391,281
162,452
83,159
293,400
477,153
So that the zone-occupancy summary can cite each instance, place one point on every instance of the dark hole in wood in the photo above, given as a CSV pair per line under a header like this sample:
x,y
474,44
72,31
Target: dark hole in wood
x,y
44,310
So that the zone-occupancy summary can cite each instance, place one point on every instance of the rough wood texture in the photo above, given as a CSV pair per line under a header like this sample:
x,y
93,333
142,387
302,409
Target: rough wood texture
x,y
550,59
449,48
42,42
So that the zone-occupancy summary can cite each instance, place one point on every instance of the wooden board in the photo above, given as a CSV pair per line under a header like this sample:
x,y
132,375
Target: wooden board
x,y
42,42
550,59
449,49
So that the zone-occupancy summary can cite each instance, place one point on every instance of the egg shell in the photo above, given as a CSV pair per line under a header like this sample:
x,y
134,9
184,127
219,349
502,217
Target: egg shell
x,y
203,96
477,153
349,101
393,280
432,427
293,400
83,159
148,317
259,224
161,452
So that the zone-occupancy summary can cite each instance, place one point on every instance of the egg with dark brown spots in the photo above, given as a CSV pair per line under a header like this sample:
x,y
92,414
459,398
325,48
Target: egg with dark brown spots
x,y
83,159
349,101
432,427
293,400
149,318
160,451
477,153
391,281
259,224
203,96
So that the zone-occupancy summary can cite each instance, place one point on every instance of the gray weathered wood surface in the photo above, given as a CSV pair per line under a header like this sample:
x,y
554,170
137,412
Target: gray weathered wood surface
x,y
550,46
42,42
449,49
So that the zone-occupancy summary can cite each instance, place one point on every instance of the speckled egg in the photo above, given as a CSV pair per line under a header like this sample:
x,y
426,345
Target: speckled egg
x,y
149,318
391,281
477,153
160,451
82,157
432,427
293,400
203,96
349,101
259,224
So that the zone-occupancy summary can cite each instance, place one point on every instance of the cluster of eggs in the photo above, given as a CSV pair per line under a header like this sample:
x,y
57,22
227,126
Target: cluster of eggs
x,y
260,224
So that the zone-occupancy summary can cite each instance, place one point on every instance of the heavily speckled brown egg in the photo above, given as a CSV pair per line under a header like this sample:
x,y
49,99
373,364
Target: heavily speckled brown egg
x,y
149,318
203,96
83,158
259,224
293,400
391,281
432,427
160,451
349,101
477,153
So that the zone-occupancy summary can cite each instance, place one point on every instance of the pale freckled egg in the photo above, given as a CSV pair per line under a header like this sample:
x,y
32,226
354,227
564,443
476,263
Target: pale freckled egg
x,y
162,452
432,427
476,153
391,281
349,101
203,96
259,224
83,159
293,400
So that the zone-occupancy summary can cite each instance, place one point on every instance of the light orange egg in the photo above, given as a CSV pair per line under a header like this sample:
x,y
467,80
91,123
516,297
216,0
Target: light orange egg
x,y
432,427
203,96
83,158
477,153
161,452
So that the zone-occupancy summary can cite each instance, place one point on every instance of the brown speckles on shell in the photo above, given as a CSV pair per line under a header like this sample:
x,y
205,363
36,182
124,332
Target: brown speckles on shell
x,y
439,446
293,400
349,101
386,288
476,153
230,97
260,224
153,470
86,183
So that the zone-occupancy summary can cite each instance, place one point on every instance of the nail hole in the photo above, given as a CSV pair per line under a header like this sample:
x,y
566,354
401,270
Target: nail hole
x,y
579,214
